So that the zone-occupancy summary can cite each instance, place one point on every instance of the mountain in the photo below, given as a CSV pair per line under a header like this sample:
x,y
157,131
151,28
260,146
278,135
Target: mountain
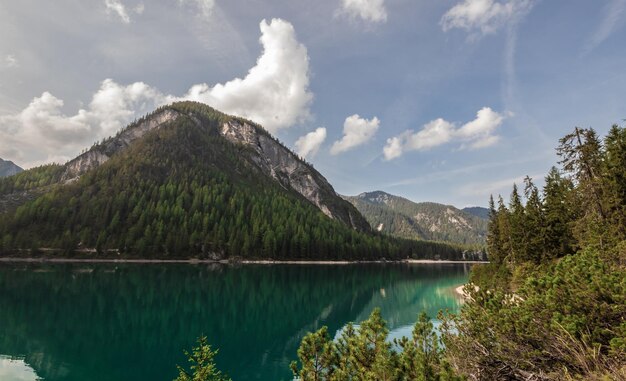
x,y
477,211
8,168
262,153
426,220
188,180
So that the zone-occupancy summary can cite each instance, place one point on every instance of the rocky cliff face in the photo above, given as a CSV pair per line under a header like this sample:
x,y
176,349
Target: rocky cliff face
x,y
276,161
98,155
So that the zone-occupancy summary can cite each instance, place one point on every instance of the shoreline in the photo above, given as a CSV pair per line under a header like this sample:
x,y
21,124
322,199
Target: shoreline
x,y
210,261
459,291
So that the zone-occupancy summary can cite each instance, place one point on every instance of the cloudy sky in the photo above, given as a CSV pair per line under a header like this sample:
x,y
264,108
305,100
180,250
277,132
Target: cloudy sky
x,y
434,100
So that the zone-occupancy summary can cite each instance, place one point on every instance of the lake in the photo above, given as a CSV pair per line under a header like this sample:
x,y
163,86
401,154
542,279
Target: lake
x,y
122,322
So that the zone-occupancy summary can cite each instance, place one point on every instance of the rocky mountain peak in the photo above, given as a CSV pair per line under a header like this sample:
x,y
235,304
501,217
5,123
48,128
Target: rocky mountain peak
x,y
376,197
263,152
9,168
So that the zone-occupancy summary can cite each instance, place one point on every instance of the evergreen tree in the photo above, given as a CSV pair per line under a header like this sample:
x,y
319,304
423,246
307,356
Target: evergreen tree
x,y
559,216
581,157
562,312
516,230
365,354
495,248
614,182
534,221
504,227
202,366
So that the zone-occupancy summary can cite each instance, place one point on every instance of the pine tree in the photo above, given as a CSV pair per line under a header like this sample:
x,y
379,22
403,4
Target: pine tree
x,y
517,219
559,216
581,157
495,249
504,227
202,366
534,221
614,182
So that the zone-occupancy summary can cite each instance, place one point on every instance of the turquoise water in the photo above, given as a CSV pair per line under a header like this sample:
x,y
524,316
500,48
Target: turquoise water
x,y
121,322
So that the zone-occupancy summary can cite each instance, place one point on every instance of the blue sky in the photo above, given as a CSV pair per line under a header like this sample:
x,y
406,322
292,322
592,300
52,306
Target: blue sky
x,y
444,101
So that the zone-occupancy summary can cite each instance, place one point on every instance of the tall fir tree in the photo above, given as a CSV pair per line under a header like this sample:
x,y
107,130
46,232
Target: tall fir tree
x,y
534,221
559,216
517,233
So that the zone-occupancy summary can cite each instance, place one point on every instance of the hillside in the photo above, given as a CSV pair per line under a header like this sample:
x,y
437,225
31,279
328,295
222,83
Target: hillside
x,y
427,220
8,168
186,181
477,211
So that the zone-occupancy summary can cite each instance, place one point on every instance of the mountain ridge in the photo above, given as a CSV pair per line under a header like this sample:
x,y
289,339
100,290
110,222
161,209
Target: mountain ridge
x,y
478,211
9,168
404,218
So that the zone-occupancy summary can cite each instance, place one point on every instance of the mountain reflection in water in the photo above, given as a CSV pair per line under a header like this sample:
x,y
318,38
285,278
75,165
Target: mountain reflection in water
x,y
132,321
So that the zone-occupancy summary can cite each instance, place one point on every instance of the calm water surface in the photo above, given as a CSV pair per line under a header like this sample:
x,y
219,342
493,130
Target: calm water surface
x,y
83,322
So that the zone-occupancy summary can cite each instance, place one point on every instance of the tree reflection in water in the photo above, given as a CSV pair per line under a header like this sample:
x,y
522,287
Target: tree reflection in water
x,y
129,321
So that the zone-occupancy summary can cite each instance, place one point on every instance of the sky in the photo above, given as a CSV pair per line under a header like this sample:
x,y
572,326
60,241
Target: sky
x,y
435,100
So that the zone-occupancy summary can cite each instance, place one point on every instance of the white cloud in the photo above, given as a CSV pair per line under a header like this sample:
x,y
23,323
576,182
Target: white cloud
x,y
476,134
204,6
356,131
368,10
140,8
309,144
393,148
42,132
479,132
118,8
498,187
274,93
484,16
10,61
434,133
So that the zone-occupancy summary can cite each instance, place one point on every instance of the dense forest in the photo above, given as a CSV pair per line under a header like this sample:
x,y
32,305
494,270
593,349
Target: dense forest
x,y
551,305
183,191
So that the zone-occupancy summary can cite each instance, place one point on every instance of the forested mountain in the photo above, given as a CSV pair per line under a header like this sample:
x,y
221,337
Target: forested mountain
x,y
8,168
551,305
425,220
186,181
477,211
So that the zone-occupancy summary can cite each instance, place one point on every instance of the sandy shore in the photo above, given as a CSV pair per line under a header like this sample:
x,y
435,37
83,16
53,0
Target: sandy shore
x,y
192,261
459,291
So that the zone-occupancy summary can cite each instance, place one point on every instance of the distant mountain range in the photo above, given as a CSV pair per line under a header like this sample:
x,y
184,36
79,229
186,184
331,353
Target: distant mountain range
x,y
8,168
404,218
477,211
190,181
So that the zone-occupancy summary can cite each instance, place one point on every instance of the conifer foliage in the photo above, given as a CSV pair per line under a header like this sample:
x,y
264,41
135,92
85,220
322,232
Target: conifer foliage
x,y
551,305
364,353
